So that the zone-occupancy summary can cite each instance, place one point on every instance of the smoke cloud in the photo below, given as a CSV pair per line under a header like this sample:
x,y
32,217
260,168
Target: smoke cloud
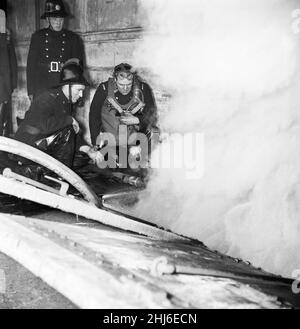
x,y
232,68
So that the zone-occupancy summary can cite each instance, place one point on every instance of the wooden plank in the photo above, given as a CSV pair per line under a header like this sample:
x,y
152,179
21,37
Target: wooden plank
x,y
26,151
86,285
37,10
81,208
22,18
134,255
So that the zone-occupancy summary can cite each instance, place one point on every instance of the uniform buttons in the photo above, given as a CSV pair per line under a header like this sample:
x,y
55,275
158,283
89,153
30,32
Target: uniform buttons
x,y
64,35
46,41
64,42
47,34
47,49
47,56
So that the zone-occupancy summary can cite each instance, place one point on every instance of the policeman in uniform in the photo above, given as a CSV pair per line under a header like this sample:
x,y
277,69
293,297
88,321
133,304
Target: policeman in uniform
x,y
50,126
50,48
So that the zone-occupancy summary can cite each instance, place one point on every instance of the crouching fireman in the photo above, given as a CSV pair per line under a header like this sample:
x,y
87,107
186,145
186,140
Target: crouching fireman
x,y
123,115
49,124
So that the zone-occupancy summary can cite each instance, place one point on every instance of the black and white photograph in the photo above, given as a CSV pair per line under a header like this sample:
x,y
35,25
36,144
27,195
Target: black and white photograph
x,y
149,157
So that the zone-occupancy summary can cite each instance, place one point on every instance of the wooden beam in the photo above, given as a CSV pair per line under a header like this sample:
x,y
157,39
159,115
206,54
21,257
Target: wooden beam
x,y
37,15
26,151
82,208
86,285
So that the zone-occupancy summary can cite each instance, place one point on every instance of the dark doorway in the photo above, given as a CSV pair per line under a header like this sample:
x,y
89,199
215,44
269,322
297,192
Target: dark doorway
x,y
3,5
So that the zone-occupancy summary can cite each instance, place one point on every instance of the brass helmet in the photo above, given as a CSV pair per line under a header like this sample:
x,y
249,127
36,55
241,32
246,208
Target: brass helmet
x,y
54,8
72,73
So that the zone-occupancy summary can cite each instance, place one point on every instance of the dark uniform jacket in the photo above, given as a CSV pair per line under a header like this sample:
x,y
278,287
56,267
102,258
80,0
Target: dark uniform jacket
x,y
50,112
147,117
8,68
48,51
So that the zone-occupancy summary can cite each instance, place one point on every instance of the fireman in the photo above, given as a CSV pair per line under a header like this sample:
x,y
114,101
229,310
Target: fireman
x,y
50,126
123,101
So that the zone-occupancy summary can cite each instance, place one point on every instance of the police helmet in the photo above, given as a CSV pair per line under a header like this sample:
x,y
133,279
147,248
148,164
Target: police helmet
x,y
54,8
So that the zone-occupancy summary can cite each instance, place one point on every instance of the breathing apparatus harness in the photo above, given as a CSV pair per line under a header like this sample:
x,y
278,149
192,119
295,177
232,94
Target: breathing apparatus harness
x,y
136,103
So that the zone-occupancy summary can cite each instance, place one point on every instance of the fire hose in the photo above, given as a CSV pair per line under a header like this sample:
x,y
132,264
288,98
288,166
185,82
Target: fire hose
x,y
162,266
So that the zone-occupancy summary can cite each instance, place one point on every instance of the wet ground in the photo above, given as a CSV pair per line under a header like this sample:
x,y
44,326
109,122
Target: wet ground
x,y
24,290
20,289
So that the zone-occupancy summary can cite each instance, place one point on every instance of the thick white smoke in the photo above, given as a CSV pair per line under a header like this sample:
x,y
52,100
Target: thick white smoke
x,y
233,70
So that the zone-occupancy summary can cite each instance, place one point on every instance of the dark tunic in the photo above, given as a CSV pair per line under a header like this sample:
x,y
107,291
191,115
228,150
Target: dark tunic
x,y
49,113
8,82
147,117
8,68
47,53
